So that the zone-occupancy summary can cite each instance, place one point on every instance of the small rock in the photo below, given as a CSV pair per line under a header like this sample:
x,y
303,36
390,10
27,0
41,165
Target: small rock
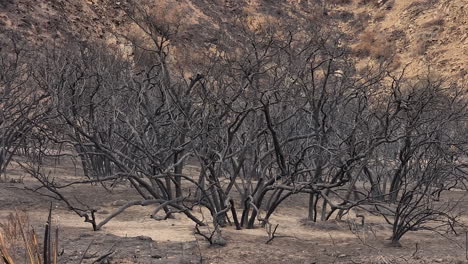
x,y
439,260
118,203
145,238
219,240
342,256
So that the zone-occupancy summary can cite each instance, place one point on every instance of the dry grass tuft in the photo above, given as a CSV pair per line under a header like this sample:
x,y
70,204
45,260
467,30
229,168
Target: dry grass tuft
x,y
18,240
437,21
341,2
375,45
11,228
369,2
4,251
17,228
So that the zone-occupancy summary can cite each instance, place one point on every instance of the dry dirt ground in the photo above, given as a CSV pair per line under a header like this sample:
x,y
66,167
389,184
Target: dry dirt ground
x,y
136,238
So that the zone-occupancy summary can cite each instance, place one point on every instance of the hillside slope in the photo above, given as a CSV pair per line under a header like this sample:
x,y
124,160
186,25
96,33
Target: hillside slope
x,y
427,33
424,32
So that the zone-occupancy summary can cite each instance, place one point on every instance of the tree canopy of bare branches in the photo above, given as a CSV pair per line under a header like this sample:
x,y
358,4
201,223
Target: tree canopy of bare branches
x,y
287,112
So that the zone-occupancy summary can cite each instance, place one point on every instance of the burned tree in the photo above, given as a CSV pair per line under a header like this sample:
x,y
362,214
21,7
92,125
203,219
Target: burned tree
x,y
21,106
286,113
428,158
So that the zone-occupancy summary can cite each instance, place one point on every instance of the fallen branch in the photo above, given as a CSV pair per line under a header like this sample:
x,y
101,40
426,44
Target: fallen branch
x,y
271,233
126,206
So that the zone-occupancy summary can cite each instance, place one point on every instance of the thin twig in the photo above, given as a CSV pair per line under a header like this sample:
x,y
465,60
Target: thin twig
x,y
86,251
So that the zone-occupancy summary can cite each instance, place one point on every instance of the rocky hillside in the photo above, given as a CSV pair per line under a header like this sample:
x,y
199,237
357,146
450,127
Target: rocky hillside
x,y
427,33
424,32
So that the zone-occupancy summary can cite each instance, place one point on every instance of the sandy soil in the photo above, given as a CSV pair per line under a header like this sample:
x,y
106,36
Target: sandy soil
x,y
136,238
